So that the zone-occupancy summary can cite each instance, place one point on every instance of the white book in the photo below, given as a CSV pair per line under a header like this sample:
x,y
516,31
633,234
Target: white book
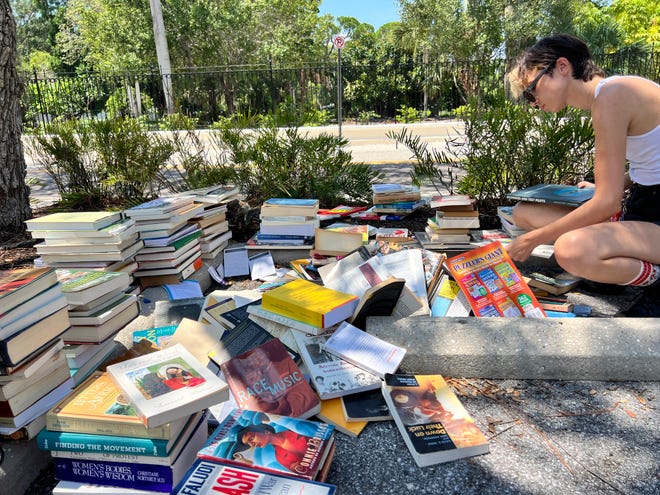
x,y
365,350
31,311
105,313
168,384
39,407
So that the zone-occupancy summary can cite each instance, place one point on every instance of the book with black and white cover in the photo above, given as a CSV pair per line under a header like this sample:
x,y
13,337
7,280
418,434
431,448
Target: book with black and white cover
x,y
432,421
365,350
366,406
171,312
168,384
332,376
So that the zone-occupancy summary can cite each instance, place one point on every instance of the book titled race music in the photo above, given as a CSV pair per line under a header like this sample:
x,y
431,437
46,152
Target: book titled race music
x,y
270,443
310,303
210,478
365,350
492,283
559,194
168,384
267,379
432,421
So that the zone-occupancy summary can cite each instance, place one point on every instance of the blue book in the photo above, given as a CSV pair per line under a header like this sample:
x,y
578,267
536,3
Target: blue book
x,y
553,193
291,202
159,335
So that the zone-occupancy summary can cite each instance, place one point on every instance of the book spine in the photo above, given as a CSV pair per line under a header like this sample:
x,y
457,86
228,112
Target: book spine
x,y
81,442
75,425
290,322
92,456
119,474
286,308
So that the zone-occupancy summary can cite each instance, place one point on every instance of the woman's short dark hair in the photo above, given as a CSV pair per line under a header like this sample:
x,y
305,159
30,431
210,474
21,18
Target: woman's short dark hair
x,y
547,50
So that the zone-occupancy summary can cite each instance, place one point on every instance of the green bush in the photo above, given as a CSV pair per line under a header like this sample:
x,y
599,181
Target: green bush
x,y
409,114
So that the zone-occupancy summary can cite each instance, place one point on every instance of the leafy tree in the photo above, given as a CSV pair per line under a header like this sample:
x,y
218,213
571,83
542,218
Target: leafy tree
x,y
36,28
639,19
14,194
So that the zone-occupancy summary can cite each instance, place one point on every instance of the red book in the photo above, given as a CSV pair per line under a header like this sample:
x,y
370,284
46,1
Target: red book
x,y
267,379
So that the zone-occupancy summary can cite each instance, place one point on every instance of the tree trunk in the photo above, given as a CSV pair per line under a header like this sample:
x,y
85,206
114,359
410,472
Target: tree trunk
x,y
14,194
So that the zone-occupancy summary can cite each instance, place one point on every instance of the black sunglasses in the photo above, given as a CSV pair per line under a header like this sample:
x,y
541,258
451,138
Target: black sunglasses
x,y
528,91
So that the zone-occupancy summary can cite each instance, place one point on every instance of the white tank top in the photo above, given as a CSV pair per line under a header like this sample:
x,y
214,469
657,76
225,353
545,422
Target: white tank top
x,y
642,151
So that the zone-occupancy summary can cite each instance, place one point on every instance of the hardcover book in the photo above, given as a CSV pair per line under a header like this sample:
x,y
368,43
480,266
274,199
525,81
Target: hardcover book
x,y
38,408
559,194
432,421
267,379
210,478
83,286
332,376
32,310
365,406
132,475
168,384
310,303
20,285
258,311
270,443
96,334
98,406
18,402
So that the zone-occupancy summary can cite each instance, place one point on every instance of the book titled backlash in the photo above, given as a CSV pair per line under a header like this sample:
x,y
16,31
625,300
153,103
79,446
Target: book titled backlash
x,y
168,384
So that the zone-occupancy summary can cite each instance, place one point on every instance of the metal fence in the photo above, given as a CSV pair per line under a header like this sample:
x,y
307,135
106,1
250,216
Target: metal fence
x,y
304,93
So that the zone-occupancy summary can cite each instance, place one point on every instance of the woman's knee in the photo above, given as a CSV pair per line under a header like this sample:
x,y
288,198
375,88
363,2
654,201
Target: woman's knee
x,y
574,250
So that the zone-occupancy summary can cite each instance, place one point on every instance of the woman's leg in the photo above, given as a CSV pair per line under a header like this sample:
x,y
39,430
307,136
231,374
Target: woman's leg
x,y
530,216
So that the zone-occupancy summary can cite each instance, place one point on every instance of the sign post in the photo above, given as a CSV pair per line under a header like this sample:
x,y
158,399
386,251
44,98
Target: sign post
x,y
339,42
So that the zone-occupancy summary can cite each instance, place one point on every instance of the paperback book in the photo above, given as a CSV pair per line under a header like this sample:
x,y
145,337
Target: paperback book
x,y
432,421
168,384
365,406
333,414
270,443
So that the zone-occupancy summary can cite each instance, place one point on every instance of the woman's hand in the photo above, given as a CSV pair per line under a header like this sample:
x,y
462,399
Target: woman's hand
x,y
522,246
585,183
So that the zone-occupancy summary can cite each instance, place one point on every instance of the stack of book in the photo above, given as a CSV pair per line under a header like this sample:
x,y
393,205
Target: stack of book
x,y
455,216
171,251
287,223
505,214
33,371
98,308
212,221
395,199
99,240
137,426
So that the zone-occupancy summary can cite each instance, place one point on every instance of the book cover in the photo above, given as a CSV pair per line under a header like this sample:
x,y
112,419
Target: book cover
x,y
197,337
83,286
20,285
76,220
365,350
378,300
98,406
132,475
158,335
168,384
337,242
492,283
171,312
559,194
267,379
237,340
332,376
365,406
310,303
333,414
432,421
259,311
210,478
270,443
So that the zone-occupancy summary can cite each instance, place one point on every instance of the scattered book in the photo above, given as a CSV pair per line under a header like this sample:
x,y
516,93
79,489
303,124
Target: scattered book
x,y
433,423
333,414
558,284
171,312
365,406
258,311
160,336
365,350
165,385
559,194
270,443
267,379
243,337
332,376
336,242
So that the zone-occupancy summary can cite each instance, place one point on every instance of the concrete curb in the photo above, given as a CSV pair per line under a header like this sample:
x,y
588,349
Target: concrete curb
x,y
604,349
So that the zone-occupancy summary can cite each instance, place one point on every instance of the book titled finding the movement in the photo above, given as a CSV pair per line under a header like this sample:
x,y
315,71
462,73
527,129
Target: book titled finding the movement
x,y
270,443
559,194
432,421
168,384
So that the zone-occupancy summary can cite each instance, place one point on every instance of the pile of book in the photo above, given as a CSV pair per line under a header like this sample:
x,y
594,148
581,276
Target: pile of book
x,y
455,216
286,223
171,251
505,214
395,199
33,370
138,425
212,220
99,307
99,240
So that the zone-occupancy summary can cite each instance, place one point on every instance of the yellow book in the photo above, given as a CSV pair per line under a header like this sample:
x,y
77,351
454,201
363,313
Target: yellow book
x,y
332,412
310,303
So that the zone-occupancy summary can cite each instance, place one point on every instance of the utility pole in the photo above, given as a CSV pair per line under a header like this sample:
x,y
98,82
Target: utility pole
x,y
339,42
163,53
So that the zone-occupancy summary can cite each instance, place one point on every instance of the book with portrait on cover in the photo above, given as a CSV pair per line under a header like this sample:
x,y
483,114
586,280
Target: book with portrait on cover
x,y
432,421
168,384
267,379
270,443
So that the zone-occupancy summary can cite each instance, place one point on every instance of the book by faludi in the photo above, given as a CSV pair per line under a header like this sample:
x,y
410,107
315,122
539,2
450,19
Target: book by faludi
x,y
310,303
20,285
365,350
332,376
267,379
130,475
98,406
432,421
292,446
492,283
210,478
168,384
77,220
